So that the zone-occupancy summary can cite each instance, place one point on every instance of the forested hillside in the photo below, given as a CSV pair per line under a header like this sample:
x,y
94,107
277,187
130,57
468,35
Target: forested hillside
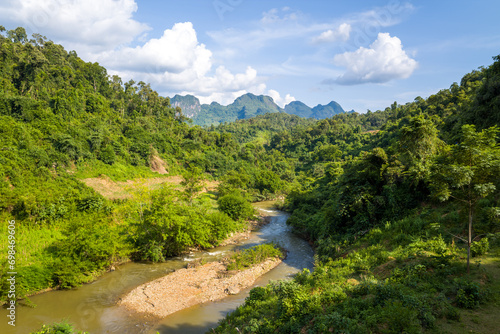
x,y
405,219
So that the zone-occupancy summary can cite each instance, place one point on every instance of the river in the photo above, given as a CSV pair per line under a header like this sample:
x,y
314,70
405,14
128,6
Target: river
x,y
92,307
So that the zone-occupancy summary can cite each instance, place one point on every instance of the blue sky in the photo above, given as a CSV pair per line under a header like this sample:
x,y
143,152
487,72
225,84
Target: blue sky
x,y
362,54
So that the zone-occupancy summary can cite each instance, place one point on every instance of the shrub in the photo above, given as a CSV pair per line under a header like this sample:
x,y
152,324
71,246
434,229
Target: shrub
x,y
221,225
107,155
58,328
480,247
256,294
235,206
90,204
252,256
399,319
468,294
91,244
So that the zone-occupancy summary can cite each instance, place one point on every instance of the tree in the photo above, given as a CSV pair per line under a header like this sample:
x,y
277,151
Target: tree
x,y
18,35
467,172
192,182
486,109
418,142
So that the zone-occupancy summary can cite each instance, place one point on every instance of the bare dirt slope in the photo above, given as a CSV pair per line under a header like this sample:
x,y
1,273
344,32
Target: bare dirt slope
x,y
123,189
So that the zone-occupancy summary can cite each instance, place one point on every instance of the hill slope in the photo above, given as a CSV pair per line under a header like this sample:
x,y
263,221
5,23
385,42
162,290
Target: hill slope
x,y
394,215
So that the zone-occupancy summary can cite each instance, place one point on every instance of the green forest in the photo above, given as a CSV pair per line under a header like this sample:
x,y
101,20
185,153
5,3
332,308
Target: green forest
x,y
402,205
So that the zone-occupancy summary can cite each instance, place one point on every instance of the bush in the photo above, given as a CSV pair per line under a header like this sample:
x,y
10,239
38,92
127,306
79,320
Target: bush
x,y
58,328
90,204
468,294
107,155
254,255
221,226
399,319
257,294
480,247
235,206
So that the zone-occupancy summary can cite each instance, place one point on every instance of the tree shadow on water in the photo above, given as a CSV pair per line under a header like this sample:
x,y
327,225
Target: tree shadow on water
x,y
185,328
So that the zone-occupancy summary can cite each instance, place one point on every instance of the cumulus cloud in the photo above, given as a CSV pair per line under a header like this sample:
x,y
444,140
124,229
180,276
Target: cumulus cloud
x,y
174,52
281,101
342,33
383,61
178,62
91,25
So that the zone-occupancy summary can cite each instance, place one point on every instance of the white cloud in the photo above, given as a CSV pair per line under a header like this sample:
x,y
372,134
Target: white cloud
x,y
178,62
281,101
342,33
273,16
176,51
226,98
383,61
85,25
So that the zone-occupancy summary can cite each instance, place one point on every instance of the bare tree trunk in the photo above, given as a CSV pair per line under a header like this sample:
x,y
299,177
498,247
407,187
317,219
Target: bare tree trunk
x,y
469,240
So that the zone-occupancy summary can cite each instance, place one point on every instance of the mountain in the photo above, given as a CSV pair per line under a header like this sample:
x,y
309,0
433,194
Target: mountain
x,y
248,106
245,106
298,108
189,104
322,111
319,112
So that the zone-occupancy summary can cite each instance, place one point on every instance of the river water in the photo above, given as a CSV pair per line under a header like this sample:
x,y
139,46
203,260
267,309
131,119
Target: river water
x,y
92,307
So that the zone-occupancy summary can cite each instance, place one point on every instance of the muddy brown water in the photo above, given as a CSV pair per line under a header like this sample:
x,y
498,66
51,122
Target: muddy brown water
x,y
93,308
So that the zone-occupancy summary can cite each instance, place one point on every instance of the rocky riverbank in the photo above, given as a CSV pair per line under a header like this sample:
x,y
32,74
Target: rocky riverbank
x,y
191,286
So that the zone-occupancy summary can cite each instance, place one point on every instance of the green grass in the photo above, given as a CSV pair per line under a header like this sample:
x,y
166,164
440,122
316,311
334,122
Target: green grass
x,y
483,319
30,243
116,172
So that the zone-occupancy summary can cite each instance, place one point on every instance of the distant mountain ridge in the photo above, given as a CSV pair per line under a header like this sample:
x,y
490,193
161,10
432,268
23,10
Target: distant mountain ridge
x,y
319,112
247,106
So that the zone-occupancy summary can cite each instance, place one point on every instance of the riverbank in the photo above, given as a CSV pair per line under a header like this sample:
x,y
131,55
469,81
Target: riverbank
x,y
235,238
191,286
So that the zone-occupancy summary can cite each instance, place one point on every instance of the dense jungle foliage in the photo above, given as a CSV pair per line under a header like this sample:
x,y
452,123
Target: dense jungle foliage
x,y
392,213
402,205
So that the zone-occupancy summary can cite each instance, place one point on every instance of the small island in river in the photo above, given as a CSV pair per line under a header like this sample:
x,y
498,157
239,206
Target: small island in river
x,y
191,286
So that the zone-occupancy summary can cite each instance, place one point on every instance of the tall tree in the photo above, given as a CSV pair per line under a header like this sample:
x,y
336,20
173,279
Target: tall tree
x,y
192,182
468,172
